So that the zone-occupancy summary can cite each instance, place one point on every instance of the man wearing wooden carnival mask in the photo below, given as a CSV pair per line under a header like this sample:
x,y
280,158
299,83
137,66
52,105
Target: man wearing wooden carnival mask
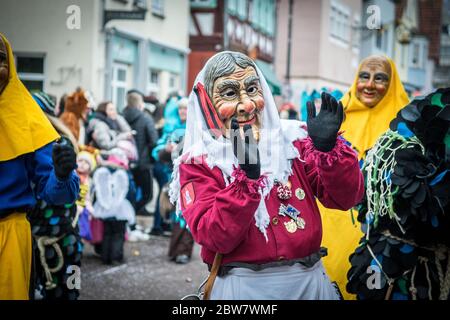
x,y
236,209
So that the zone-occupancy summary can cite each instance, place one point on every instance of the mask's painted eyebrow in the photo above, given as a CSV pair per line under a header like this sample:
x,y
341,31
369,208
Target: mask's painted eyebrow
x,y
251,80
228,84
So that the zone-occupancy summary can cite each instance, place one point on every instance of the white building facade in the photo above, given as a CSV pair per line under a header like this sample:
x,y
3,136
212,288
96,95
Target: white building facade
x,y
60,45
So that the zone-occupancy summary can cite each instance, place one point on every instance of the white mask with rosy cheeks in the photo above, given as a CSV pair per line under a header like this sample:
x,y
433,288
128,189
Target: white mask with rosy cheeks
x,y
275,140
239,95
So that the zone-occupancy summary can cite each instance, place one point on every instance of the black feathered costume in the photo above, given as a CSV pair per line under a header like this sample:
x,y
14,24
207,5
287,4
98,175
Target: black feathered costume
x,y
405,214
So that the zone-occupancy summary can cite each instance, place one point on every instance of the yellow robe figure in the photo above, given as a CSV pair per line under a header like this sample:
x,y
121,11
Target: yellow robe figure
x,y
362,126
24,128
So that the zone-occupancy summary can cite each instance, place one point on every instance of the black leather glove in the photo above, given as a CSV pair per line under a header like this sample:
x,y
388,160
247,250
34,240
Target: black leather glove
x,y
324,127
64,158
246,152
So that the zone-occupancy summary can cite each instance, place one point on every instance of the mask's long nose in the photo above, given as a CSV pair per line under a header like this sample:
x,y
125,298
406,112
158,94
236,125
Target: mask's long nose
x,y
246,105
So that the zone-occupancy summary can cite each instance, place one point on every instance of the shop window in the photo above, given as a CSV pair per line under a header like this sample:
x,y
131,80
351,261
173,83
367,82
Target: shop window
x,y
30,69
119,85
158,8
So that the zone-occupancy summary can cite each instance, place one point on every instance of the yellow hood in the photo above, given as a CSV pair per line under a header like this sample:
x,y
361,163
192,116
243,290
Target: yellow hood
x,y
363,125
24,128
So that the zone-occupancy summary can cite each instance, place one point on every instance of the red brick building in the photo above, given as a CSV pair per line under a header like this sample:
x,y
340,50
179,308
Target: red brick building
x,y
247,26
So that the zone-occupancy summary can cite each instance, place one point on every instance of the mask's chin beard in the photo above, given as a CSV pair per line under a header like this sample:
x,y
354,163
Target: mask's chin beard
x,y
255,127
256,134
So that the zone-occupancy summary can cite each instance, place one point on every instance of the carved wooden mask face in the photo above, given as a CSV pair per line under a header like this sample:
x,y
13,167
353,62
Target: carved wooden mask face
x,y
239,95
373,81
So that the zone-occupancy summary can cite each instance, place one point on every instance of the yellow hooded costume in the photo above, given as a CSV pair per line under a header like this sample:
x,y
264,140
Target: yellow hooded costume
x,y
362,127
24,128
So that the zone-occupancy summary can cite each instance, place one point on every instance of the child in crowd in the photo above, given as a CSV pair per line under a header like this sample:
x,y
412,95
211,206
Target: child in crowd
x,y
112,191
86,164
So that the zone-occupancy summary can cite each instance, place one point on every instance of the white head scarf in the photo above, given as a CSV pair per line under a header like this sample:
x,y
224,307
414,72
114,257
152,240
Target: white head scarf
x,y
275,147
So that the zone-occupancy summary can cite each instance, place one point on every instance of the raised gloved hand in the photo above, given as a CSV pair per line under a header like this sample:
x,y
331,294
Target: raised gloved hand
x,y
64,158
246,152
324,127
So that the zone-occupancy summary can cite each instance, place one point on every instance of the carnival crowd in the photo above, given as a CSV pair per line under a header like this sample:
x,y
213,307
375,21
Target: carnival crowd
x,y
375,159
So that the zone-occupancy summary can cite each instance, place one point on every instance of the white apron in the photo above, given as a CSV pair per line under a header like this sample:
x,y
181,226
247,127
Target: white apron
x,y
294,282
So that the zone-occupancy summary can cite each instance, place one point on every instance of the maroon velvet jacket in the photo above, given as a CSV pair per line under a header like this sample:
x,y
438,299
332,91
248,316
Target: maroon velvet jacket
x,y
221,218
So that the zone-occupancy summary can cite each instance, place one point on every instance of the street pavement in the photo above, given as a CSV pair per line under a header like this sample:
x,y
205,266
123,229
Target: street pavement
x,y
147,273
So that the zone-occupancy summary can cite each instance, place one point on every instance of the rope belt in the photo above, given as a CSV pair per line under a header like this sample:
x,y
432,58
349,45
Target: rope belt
x,y
440,253
42,242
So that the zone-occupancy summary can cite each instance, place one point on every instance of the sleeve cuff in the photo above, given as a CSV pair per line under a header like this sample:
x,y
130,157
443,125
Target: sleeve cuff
x,y
60,182
241,180
62,191
327,158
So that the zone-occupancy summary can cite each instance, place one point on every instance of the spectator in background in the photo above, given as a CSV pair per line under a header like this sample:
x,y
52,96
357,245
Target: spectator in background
x,y
48,106
61,105
155,109
107,127
76,110
181,242
288,111
146,137
170,113
174,126
113,190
